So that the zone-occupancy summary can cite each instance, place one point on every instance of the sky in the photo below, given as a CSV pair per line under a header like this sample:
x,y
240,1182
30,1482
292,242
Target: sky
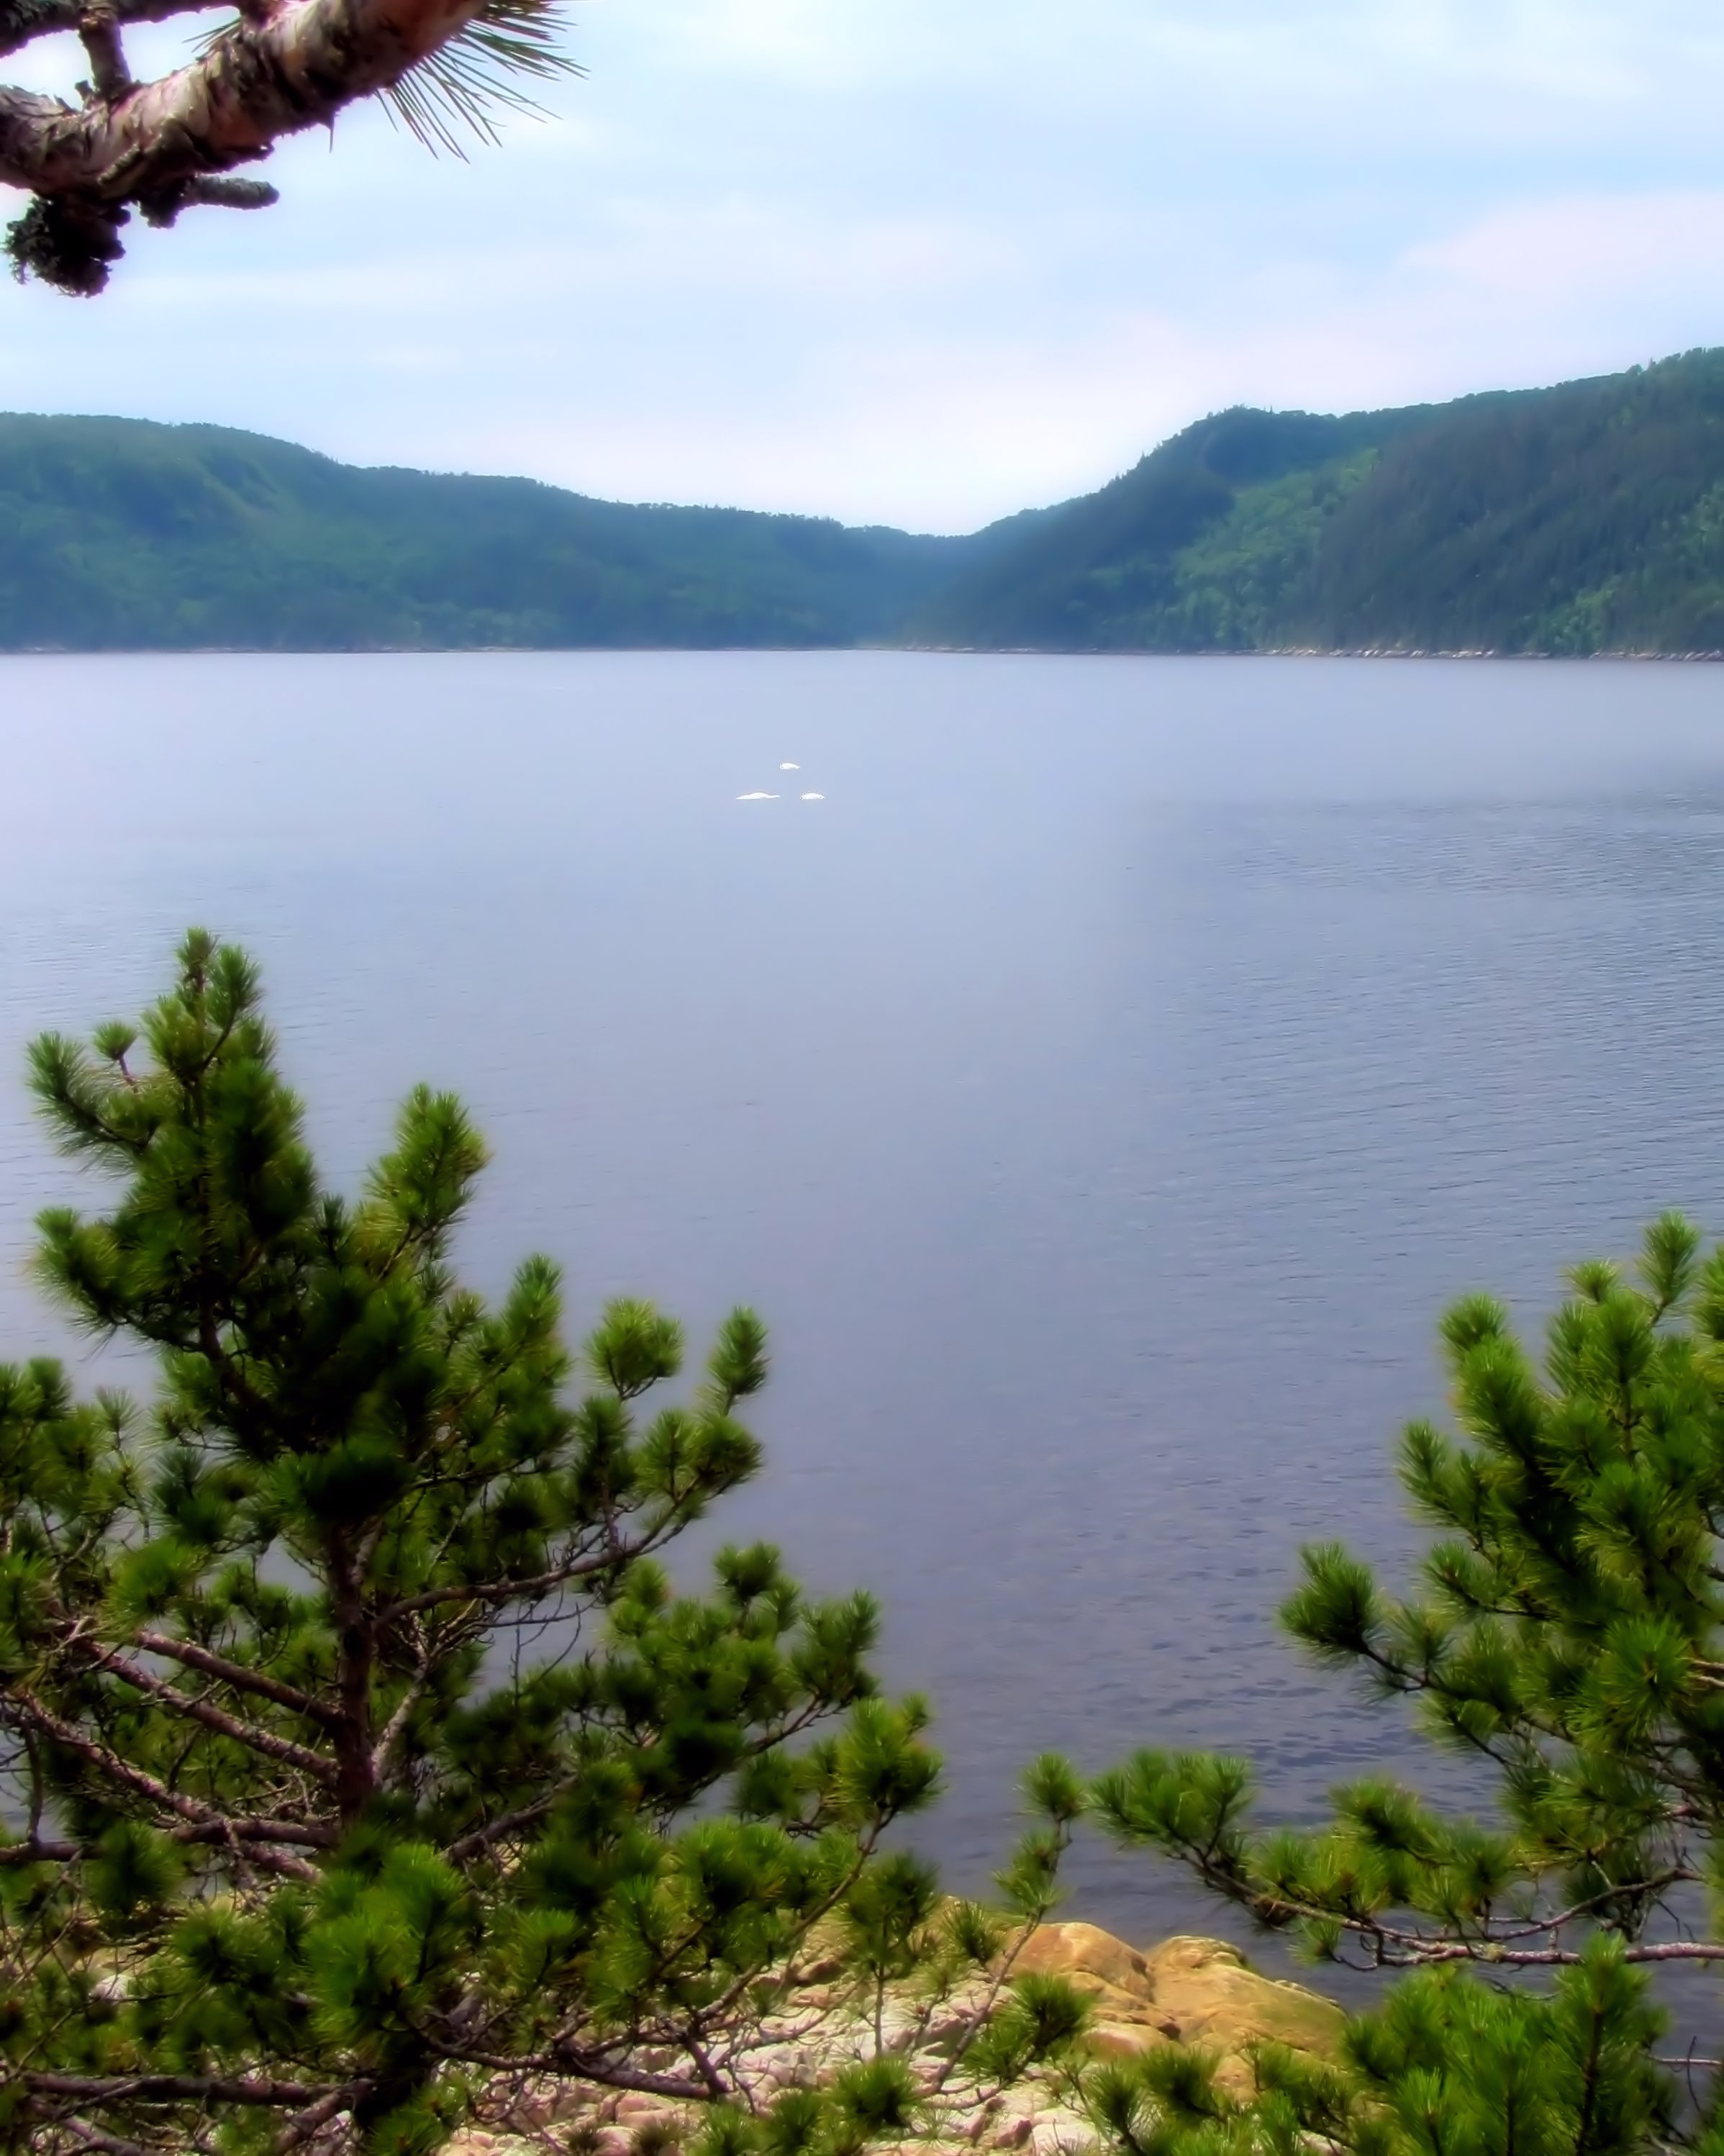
x,y
927,262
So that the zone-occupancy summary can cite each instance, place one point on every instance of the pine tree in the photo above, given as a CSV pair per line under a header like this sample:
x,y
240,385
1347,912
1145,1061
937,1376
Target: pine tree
x,y
1568,1636
361,1759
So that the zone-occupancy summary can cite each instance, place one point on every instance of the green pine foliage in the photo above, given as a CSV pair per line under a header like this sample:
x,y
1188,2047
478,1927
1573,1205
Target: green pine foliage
x,y
1448,2067
359,1756
1567,1633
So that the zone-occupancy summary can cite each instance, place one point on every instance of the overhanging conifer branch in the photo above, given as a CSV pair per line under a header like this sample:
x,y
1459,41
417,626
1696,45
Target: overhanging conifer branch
x,y
277,70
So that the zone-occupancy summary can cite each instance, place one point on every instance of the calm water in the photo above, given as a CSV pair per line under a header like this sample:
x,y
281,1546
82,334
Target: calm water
x,y
1100,1090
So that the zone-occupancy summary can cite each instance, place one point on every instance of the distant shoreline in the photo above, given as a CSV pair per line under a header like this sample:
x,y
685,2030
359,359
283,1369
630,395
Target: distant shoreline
x,y
806,650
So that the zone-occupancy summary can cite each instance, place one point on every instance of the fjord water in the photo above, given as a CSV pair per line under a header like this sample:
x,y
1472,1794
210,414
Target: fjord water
x,y
1100,1090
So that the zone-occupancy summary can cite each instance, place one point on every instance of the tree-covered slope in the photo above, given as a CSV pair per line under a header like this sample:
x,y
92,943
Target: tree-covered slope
x,y
1214,521
116,534
1584,518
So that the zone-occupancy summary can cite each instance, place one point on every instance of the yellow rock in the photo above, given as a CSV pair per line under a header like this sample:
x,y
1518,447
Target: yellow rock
x,y
1187,1991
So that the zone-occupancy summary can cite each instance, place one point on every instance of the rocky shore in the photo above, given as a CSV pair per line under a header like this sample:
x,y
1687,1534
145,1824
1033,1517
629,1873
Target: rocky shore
x,y
1185,1990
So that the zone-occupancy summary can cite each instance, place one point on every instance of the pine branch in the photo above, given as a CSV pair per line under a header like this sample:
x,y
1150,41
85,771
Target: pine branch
x,y
1432,1953
88,2136
470,1845
614,1558
310,2122
221,1833
98,30
23,22
257,82
175,2088
1397,1947
106,1763
261,1741
122,1774
569,2062
239,1675
395,1728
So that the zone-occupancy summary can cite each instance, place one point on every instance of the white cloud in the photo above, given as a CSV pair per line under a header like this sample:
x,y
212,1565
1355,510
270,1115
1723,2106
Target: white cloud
x,y
1597,252
930,263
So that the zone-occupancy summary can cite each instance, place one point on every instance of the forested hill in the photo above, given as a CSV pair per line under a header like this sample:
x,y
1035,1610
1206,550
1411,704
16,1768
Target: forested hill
x,y
1580,519
115,534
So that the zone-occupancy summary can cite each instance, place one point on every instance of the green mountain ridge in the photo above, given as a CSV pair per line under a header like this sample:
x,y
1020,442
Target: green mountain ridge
x,y
125,535
1582,519
1586,518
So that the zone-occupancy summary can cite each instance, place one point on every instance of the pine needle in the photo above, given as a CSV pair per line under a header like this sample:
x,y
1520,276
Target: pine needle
x,y
473,82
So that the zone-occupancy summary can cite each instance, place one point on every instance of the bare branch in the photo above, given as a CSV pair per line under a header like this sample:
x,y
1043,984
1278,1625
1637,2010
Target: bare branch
x,y
88,2136
22,21
287,1833
316,2116
34,1852
295,1833
98,28
219,193
172,2088
396,1727
612,1559
1432,1951
586,2065
476,1843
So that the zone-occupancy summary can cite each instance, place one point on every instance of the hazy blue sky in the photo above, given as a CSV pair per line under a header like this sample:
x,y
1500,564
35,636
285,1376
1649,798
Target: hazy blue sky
x,y
931,260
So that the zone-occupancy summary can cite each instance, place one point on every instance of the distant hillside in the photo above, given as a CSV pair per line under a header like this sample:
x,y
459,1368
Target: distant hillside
x,y
119,534
1581,519
1575,520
